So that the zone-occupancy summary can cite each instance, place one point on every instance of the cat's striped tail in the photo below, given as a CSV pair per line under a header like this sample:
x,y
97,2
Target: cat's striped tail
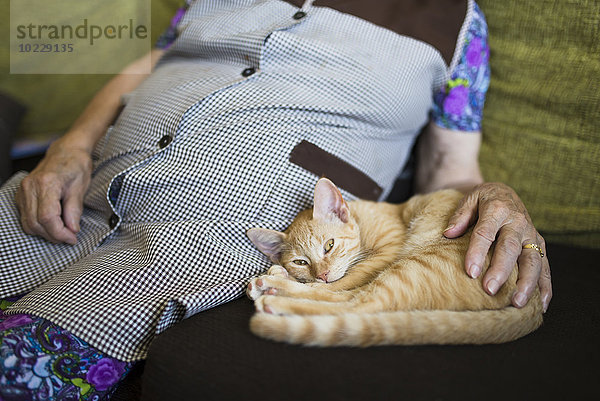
x,y
402,327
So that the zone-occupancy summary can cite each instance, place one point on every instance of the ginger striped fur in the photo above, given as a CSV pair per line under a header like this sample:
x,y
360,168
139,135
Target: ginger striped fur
x,y
371,273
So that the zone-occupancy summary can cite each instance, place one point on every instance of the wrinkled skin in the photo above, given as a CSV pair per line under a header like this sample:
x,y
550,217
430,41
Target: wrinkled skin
x,y
50,198
499,215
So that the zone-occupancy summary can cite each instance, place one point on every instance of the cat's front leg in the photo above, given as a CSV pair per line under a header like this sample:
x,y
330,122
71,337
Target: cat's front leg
x,y
297,306
274,285
274,305
286,306
283,288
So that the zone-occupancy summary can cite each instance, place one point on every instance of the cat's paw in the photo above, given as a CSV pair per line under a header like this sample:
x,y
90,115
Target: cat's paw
x,y
253,291
265,304
261,285
278,271
255,288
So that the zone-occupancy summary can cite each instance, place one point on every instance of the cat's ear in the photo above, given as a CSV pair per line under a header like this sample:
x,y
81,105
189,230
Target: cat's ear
x,y
267,241
329,203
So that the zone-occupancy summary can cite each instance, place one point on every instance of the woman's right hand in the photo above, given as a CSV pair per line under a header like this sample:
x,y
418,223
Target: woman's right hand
x,y
50,198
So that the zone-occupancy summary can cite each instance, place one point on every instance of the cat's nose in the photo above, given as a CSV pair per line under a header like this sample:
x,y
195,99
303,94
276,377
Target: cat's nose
x,y
323,276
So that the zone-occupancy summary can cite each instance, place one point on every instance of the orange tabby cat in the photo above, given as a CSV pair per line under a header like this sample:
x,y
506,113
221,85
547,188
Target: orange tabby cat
x,y
366,273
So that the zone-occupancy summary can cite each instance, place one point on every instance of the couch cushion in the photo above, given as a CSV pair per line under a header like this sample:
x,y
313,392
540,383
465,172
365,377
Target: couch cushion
x,y
542,114
214,356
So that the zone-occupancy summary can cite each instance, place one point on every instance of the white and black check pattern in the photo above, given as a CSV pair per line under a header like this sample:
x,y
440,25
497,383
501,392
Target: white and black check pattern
x,y
200,154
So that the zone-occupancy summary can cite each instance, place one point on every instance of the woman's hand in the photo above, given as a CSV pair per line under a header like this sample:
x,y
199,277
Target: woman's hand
x,y
500,216
50,198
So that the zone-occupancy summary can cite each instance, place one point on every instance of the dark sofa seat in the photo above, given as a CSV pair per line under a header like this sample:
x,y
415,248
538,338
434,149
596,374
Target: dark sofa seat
x,y
540,137
214,356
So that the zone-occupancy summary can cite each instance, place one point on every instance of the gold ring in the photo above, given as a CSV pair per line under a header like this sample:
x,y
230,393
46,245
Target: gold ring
x,y
534,246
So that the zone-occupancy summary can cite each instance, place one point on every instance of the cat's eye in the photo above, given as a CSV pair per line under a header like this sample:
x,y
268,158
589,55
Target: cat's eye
x,y
328,245
300,262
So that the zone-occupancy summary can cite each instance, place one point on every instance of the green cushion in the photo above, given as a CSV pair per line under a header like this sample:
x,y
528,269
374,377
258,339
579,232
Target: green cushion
x,y
56,100
541,117
542,114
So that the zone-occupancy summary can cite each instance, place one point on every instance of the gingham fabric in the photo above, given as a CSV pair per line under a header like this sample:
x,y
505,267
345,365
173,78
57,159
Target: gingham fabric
x,y
201,153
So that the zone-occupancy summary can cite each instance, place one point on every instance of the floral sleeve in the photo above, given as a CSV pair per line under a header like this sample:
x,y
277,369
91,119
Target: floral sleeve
x,y
459,104
166,39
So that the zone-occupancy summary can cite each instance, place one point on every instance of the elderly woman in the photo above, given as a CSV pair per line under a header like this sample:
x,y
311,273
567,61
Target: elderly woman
x,y
135,221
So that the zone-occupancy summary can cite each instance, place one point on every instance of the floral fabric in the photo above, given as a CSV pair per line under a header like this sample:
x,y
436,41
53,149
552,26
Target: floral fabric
x,y
459,104
41,361
170,34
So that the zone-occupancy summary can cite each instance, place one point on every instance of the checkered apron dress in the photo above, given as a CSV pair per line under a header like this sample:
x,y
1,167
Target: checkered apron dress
x,y
248,108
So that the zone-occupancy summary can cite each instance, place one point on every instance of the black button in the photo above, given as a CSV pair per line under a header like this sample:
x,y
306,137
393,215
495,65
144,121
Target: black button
x,y
113,220
299,15
248,71
164,141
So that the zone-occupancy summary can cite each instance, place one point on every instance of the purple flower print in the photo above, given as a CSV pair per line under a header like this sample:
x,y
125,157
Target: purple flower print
x,y
456,100
475,53
104,374
178,16
14,321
